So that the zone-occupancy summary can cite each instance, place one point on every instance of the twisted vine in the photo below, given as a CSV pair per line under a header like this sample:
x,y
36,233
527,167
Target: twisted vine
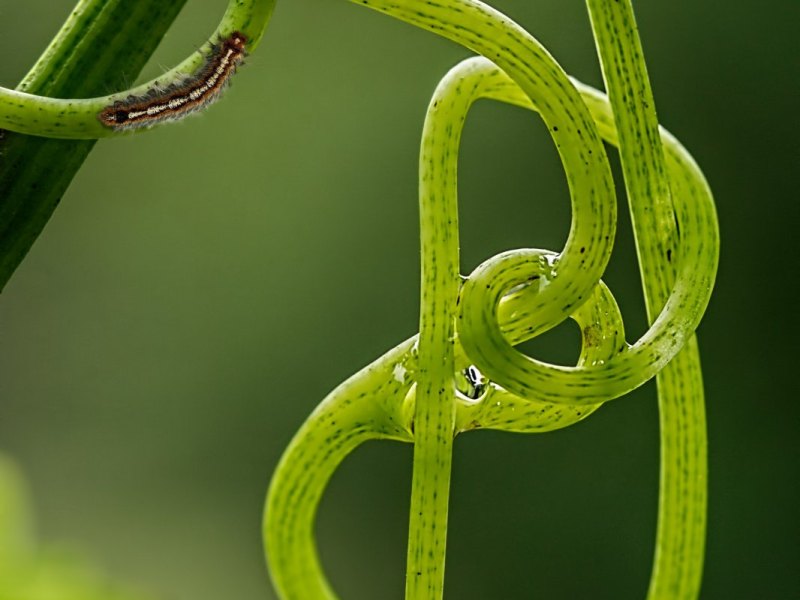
x,y
431,387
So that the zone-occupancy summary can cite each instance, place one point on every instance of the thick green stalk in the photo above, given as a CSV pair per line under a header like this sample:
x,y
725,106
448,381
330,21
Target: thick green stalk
x,y
678,561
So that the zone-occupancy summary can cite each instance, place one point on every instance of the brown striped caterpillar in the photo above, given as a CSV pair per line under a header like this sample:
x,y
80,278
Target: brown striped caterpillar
x,y
179,99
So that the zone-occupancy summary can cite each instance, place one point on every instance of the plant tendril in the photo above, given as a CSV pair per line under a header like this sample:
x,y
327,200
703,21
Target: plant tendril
x,y
508,299
462,371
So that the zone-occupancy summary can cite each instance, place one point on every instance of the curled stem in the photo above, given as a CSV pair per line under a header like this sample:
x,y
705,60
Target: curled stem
x,y
601,324
410,393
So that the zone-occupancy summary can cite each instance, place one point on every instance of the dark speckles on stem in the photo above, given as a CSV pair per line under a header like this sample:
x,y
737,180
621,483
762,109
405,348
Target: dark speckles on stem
x,y
591,335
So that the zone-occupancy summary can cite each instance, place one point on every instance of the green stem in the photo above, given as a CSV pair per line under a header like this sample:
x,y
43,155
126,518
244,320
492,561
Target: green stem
x,y
365,407
641,154
607,368
678,561
548,287
434,417
288,539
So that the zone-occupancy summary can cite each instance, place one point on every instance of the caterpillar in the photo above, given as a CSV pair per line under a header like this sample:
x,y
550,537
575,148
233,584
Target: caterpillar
x,y
179,99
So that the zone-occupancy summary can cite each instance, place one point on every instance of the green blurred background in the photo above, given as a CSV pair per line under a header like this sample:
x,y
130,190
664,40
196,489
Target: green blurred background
x,y
201,287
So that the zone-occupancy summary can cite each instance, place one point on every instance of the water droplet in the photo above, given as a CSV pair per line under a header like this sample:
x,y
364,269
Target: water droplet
x,y
473,384
548,264
399,373
548,260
